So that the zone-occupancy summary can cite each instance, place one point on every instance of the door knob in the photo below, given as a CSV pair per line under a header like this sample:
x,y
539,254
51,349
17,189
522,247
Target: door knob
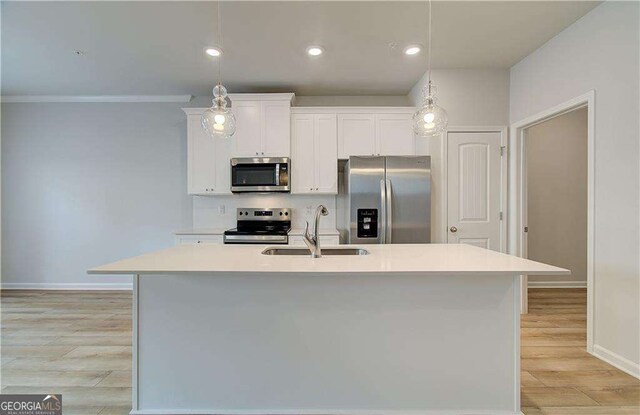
x,y
453,229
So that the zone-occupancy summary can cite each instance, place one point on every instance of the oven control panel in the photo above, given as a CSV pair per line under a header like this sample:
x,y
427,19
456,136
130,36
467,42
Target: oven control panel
x,y
266,214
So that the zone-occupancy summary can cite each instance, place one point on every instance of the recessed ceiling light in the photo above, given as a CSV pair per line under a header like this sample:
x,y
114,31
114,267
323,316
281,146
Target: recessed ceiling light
x,y
213,51
315,50
412,50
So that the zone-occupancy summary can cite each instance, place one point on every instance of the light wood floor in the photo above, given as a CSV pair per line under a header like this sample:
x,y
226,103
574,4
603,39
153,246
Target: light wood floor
x,y
79,344
558,376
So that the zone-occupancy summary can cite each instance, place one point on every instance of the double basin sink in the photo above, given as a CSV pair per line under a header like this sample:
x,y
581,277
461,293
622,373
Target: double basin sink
x,y
307,252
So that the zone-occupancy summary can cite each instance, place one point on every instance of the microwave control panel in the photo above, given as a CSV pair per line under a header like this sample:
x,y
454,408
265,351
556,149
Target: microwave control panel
x,y
367,223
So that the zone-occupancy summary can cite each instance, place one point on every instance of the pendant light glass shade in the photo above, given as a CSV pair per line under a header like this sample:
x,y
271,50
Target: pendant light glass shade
x,y
430,120
219,121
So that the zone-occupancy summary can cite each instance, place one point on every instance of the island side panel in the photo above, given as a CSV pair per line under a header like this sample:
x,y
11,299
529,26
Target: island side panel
x,y
327,344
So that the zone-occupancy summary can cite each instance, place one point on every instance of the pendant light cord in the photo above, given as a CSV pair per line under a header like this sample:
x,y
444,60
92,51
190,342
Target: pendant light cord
x,y
218,13
429,44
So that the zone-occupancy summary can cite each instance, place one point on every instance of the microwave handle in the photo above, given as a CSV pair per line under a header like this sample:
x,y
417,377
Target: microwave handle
x,y
277,175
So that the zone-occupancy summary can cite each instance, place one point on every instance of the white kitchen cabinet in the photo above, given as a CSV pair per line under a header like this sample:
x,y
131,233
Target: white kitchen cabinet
x,y
276,127
198,239
302,153
201,174
247,139
207,160
394,135
376,134
263,124
356,135
314,161
325,240
295,240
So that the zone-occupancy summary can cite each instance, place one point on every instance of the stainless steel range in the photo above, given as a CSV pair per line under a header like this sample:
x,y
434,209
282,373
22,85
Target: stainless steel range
x,y
260,226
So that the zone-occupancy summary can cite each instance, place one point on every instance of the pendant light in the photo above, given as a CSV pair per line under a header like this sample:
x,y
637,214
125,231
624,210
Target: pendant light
x,y
219,121
430,120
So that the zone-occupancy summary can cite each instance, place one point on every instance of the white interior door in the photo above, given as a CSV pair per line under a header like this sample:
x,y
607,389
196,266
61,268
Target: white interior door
x,y
474,187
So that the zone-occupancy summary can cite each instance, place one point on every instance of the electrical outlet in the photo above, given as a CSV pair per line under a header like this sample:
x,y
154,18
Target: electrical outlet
x,y
309,210
222,209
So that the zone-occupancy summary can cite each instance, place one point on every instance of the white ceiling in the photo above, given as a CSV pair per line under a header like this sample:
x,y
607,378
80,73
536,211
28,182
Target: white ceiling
x,y
156,48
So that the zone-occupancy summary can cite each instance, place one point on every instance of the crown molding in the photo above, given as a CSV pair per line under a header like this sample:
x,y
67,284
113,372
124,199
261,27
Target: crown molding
x,y
94,98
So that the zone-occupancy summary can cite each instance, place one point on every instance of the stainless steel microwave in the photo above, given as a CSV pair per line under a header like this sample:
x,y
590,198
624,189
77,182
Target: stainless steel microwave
x,y
260,174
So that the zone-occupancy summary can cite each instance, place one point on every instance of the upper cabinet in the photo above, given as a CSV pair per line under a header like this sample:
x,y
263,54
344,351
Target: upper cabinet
x,y
314,137
248,137
356,135
208,167
314,148
376,134
263,124
394,135
201,174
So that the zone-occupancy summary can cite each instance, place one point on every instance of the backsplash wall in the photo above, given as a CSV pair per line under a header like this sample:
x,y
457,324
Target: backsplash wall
x,y
220,211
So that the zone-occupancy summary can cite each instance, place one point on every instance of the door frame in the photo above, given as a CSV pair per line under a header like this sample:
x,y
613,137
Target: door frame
x,y
517,193
444,157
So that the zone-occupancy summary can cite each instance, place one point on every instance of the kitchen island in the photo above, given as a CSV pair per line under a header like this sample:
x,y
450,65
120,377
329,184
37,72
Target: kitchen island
x,y
406,329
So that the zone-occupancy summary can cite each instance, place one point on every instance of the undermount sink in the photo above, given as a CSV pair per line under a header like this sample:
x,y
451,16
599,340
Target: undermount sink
x,y
305,251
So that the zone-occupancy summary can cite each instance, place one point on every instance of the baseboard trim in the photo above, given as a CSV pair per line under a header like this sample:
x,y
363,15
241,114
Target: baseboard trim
x,y
57,286
616,360
557,284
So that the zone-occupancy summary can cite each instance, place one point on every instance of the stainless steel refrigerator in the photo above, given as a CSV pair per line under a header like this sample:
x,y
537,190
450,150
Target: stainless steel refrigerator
x,y
385,200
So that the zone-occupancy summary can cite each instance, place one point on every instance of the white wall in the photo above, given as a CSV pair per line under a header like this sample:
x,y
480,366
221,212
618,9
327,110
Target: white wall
x,y
0,147
600,52
471,97
87,184
478,97
556,163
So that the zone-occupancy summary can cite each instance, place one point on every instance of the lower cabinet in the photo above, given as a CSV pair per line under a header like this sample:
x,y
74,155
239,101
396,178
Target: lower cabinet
x,y
325,240
295,240
198,239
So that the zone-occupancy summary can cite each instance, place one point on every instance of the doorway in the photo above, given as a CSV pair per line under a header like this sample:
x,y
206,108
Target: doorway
x,y
555,194
517,220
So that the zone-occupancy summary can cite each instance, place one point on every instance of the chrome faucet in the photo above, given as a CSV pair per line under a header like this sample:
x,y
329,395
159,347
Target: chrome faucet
x,y
313,241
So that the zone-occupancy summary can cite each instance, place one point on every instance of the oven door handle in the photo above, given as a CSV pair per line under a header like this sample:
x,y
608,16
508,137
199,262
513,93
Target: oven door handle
x,y
276,180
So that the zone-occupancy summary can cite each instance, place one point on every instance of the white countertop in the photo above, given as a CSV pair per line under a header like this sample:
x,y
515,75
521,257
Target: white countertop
x,y
393,259
220,231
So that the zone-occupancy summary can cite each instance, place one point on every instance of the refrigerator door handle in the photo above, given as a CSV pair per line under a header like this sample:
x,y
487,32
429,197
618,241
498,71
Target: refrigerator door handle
x,y
382,221
389,211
